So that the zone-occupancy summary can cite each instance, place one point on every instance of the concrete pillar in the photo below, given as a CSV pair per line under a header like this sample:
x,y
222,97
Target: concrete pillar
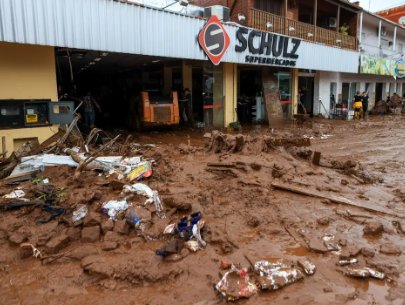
x,y
387,90
187,76
167,79
218,93
294,91
230,93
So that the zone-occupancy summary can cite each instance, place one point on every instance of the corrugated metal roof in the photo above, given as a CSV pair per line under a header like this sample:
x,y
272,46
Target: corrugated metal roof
x,y
116,26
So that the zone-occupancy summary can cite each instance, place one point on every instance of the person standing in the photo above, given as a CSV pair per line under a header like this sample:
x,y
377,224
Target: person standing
x,y
89,102
366,102
186,104
357,105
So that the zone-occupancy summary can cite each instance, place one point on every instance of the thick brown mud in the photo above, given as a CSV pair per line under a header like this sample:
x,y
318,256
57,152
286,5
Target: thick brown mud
x,y
244,217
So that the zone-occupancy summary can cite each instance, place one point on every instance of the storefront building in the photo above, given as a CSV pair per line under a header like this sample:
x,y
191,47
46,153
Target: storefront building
x,y
381,66
132,40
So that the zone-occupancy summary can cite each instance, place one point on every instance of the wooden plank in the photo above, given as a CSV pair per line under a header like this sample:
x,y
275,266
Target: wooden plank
x,y
338,19
315,16
337,199
48,142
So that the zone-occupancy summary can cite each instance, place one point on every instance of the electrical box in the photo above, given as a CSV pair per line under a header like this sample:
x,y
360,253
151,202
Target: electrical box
x,y
34,113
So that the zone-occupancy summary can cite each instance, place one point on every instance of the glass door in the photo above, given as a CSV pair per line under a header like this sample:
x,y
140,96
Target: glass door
x,y
213,95
284,84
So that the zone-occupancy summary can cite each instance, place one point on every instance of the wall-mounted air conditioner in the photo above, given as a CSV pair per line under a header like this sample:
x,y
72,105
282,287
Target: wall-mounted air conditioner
x,y
332,22
220,11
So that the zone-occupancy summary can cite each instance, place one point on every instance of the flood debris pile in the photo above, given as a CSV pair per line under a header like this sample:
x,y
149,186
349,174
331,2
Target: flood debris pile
x,y
177,223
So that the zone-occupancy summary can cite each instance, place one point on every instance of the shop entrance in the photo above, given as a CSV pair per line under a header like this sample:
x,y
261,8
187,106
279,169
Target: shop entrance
x,y
378,91
348,92
251,101
306,93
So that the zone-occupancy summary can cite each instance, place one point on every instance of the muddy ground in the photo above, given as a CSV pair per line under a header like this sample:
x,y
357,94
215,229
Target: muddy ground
x,y
244,214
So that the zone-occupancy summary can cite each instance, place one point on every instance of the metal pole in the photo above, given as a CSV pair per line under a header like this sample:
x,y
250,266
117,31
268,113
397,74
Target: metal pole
x,y
379,34
70,64
361,27
395,39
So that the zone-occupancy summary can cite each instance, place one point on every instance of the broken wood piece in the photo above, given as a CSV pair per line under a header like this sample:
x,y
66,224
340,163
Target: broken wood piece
x,y
317,158
221,164
54,138
333,198
222,171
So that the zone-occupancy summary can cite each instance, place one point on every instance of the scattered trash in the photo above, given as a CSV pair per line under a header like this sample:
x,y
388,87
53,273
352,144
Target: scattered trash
x,y
308,267
347,262
375,274
274,276
54,211
143,169
362,273
35,252
225,265
193,245
236,284
169,229
329,241
113,206
144,190
15,194
80,213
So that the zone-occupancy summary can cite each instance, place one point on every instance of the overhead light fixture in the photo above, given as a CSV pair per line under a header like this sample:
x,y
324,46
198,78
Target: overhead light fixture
x,y
87,66
310,34
156,61
104,54
92,63
291,29
97,59
269,25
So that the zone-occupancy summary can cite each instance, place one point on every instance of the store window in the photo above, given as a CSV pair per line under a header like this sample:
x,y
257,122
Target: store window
x,y
213,93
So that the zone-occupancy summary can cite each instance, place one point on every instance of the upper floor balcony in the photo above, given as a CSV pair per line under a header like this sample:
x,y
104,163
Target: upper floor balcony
x,y
321,21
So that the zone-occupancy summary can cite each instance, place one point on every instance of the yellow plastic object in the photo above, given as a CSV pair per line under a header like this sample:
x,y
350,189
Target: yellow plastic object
x,y
31,118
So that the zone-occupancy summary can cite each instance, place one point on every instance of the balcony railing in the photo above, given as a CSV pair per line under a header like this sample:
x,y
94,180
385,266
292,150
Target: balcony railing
x,y
276,24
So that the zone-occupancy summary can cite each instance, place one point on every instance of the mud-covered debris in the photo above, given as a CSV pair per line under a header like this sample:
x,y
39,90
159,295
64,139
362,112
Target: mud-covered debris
x,y
327,289
18,237
274,276
315,244
256,166
277,171
107,225
236,284
56,244
224,171
308,266
330,243
349,252
253,222
225,265
344,182
373,228
91,234
361,273
390,248
121,227
109,245
180,203
326,201
347,262
30,250
323,221
368,251
343,242
74,233
92,219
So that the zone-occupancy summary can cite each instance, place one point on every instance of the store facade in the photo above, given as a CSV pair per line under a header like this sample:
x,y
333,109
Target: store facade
x,y
381,67
120,27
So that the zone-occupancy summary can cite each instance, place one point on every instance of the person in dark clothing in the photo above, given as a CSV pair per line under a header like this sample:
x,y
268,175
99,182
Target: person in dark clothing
x,y
303,98
89,102
366,101
186,104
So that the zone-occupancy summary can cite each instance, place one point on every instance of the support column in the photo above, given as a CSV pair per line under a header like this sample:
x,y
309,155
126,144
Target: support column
x,y
286,32
315,17
187,76
379,34
230,93
361,27
395,39
294,92
338,19
167,79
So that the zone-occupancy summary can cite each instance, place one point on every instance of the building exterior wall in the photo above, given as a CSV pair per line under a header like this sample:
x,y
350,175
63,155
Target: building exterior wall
x,y
27,72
